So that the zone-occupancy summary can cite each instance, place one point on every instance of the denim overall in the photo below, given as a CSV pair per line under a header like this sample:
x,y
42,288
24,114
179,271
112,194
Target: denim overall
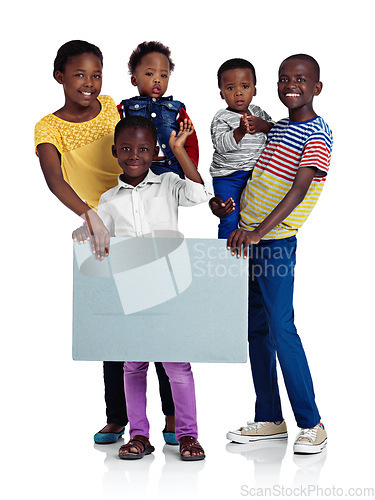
x,y
162,111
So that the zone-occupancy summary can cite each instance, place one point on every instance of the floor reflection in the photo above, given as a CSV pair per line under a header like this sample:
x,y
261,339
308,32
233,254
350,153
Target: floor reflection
x,y
135,476
130,476
177,475
267,457
163,473
309,468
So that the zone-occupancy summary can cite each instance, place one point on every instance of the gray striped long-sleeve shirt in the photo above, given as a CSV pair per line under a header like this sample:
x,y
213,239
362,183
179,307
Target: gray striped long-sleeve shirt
x,y
229,156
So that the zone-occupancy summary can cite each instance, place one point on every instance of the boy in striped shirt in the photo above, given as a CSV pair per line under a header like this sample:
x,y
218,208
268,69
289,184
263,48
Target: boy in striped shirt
x,y
286,183
239,135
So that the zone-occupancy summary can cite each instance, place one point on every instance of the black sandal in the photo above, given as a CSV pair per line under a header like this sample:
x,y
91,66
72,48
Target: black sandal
x,y
140,443
189,443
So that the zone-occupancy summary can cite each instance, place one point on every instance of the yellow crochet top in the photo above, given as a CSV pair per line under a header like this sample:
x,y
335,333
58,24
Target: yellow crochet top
x,y
86,150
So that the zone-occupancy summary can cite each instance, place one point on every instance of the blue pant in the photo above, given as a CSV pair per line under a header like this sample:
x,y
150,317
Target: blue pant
x,y
272,332
230,186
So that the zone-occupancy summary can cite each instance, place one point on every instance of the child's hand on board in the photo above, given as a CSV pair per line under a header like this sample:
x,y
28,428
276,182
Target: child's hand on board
x,y
241,237
221,208
95,231
81,234
178,140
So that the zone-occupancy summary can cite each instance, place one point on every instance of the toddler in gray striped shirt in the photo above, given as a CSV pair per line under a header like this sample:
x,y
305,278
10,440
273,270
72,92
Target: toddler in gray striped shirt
x,y
239,135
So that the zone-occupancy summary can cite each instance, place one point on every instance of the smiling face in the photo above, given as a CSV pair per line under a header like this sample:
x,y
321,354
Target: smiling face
x,y
81,79
151,76
134,149
237,87
297,87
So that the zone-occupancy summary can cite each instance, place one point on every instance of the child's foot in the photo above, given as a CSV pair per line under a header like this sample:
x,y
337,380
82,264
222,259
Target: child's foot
x,y
136,448
190,449
312,440
256,431
169,430
109,434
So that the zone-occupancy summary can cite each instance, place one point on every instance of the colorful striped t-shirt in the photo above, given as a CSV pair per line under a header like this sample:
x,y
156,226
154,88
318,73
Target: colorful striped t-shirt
x,y
290,146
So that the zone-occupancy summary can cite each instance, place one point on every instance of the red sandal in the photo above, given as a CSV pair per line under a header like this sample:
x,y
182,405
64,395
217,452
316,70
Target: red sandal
x,y
140,443
189,443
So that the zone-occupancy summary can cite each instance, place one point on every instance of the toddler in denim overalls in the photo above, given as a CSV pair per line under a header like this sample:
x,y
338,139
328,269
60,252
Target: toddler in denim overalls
x,y
150,66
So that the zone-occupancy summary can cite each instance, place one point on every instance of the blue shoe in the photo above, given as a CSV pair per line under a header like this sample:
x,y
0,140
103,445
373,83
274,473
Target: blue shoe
x,y
107,437
170,438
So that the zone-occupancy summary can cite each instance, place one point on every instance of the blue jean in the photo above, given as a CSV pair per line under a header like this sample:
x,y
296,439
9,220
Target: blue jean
x,y
272,332
230,186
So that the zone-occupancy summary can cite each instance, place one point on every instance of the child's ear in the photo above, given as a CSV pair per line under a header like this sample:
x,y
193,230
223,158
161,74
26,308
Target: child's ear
x,y
156,153
114,152
255,91
133,80
59,77
221,95
318,88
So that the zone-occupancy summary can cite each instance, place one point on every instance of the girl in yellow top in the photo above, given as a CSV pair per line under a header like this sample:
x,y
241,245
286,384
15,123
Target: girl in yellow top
x,y
74,145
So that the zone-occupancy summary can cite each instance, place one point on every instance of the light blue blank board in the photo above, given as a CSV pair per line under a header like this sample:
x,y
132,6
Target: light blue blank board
x,y
160,299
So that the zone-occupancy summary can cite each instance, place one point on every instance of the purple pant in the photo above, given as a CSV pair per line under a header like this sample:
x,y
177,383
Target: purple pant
x,y
183,392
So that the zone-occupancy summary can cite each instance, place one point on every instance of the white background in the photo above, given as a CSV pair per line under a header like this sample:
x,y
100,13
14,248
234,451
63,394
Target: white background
x,y
51,405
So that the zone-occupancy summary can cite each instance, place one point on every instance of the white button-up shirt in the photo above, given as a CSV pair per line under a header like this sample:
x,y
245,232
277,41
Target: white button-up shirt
x,y
130,211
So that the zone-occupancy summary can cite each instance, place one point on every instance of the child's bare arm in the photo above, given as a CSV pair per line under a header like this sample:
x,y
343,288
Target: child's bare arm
x,y
241,237
177,143
51,167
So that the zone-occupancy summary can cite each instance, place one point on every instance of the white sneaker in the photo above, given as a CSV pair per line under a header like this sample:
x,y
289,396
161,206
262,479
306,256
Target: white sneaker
x,y
256,431
312,440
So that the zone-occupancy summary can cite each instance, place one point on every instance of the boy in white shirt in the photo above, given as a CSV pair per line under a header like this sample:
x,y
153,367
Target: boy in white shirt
x,y
141,203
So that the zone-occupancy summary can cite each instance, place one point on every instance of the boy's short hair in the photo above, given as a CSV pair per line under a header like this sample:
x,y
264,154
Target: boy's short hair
x,y
136,122
146,48
235,64
310,59
74,48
